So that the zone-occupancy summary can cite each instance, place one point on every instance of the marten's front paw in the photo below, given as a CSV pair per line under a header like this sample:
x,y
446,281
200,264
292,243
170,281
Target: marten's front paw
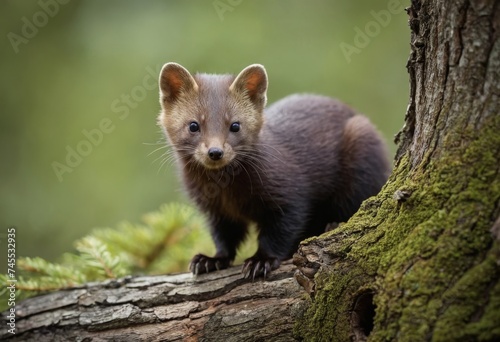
x,y
204,264
257,266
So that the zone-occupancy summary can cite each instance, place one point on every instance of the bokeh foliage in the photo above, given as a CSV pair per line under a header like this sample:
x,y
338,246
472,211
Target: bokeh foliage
x,y
91,53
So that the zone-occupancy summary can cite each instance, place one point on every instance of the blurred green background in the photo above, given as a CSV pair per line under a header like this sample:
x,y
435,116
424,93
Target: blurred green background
x,y
69,67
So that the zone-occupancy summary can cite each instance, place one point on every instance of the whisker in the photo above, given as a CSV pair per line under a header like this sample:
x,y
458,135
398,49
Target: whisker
x,y
157,149
161,165
155,143
262,153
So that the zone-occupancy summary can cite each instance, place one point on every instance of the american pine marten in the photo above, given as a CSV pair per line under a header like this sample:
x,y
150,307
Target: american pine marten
x,y
291,169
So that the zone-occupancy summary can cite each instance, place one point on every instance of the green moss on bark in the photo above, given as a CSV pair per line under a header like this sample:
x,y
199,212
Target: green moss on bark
x,y
431,260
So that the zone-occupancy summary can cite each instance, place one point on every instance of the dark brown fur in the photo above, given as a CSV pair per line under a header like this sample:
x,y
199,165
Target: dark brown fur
x,y
308,161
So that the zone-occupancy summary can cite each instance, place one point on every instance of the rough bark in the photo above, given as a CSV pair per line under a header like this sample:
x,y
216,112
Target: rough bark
x,y
421,261
220,306
418,262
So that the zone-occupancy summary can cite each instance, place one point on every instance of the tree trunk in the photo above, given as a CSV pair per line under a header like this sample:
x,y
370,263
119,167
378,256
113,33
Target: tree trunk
x,y
418,262
421,261
220,306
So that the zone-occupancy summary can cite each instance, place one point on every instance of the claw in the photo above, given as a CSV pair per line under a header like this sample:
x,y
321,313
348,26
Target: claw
x,y
255,270
246,270
203,264
267,266
255,267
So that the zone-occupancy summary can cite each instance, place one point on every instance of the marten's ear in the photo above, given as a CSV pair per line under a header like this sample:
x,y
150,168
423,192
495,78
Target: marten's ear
x,y
174,80
252,81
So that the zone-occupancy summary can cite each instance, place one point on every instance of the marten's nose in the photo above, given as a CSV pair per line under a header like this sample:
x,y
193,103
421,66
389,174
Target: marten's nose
x,y
215,153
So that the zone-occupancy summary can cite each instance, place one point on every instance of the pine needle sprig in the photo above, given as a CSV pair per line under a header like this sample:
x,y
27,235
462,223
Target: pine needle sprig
x,y
164,243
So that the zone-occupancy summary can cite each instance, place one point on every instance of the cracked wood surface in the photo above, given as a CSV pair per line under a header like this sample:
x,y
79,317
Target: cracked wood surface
x,y
216,306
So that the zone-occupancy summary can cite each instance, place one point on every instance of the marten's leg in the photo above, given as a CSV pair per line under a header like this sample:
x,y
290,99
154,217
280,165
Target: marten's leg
x,y
279,236
227,236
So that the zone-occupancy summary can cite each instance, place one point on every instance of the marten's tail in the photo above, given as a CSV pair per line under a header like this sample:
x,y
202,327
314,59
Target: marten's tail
x,y
363,163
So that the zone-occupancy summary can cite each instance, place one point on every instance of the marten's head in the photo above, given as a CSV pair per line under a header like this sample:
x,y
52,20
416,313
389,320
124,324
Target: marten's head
x,y
209,119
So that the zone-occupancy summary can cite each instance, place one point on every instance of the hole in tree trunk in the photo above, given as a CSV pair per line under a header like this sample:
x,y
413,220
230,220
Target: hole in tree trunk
x,y
363,315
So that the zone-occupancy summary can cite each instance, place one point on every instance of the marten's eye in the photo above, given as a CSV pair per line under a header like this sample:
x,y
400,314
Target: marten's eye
x,y
235,127
194,127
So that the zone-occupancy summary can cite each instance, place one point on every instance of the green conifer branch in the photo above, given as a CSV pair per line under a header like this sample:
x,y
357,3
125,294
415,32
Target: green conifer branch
x,y
162,245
